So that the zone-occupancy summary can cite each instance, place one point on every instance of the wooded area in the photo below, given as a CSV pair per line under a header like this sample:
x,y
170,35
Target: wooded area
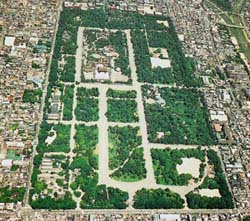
x,y
183,119
68,72
11,195
32,96
67,100
157,199
120,94
87,108
95,196
196,201
133,169
116,110
166,160
122,140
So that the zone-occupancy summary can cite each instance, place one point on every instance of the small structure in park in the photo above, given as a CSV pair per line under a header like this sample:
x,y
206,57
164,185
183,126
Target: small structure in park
x,y
101,72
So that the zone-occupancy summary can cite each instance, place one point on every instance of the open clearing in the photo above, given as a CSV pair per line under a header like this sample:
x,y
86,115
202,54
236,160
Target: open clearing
x,y
210,192
189,165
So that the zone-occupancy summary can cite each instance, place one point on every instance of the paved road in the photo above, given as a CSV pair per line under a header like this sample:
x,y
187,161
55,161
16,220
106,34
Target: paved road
x,y
34,213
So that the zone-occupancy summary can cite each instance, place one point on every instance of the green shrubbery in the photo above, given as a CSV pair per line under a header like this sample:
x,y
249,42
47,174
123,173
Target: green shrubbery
x,y
11,195
67,99
68,72
121,94
143,64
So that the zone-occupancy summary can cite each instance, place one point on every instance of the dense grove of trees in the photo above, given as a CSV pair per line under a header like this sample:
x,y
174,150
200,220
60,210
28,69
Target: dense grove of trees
x,y
66,43
66,39
157,199
142,59
87,109
183,120
122,140
32,96
11,195
68,72
60,144
86,179
121,94
133,169
102,197
116,111
67,99
246,218
196,201
86,139
120,20
165,162
182,67
51,203
209,183
87,106
127,20
119,41
98,196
